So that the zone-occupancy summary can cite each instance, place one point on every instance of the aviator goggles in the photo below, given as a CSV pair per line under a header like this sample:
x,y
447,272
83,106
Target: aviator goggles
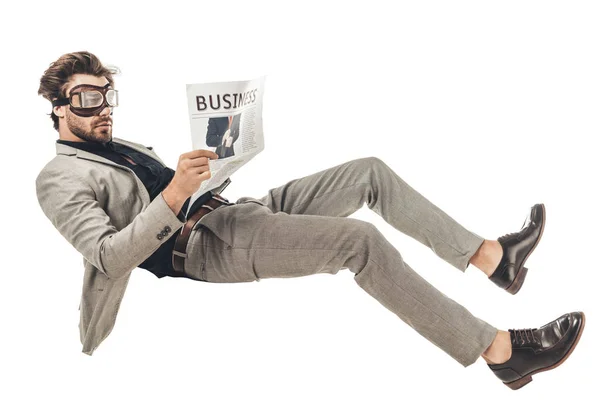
x,y
90,100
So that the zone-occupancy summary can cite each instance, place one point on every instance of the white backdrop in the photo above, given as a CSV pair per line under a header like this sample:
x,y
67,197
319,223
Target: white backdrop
x,y
486,108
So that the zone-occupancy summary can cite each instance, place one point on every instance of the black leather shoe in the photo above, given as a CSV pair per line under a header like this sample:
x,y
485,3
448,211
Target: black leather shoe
x,y
516,247
538,350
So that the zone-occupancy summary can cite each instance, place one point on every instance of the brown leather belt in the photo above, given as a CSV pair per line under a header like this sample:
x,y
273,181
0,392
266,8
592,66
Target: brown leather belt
x,y
181,241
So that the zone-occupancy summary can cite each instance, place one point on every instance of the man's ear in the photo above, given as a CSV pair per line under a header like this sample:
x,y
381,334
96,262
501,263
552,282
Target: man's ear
x,y
59,111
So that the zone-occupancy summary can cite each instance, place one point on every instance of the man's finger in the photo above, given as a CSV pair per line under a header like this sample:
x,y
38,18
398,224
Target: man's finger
x,y
202,168
196,162
201,153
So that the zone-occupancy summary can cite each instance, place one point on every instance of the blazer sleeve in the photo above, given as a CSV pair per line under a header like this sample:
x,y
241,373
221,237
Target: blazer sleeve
x,y
213,135
71,205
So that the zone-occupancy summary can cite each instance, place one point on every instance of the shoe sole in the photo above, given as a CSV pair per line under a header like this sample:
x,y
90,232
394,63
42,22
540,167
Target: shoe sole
x,y
519,383
515,286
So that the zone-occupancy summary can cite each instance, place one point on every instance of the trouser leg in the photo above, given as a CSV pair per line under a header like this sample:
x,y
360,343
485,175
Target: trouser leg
x,y
248,241
341,190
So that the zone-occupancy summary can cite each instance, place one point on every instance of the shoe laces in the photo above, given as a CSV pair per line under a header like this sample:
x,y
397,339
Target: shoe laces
x,y
522,337
513,234
508,236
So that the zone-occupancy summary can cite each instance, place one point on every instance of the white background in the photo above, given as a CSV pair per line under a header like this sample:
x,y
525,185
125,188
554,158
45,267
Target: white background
x,y
484,107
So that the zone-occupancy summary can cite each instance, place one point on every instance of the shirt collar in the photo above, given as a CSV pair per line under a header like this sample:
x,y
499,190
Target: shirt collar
x,y
87,146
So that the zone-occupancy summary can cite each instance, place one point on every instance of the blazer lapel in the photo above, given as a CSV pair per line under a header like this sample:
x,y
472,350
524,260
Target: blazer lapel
x,y
70,151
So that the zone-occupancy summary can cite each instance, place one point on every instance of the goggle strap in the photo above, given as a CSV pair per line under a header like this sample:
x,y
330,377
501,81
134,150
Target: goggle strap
x,y
60,102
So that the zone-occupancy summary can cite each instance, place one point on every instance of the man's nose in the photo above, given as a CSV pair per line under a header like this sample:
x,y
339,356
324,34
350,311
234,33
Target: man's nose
x,y
106,111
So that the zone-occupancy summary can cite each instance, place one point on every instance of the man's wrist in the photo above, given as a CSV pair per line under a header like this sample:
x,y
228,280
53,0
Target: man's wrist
x,y
173,199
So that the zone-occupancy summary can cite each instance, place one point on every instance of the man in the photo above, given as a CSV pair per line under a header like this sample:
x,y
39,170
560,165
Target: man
x,y
118,204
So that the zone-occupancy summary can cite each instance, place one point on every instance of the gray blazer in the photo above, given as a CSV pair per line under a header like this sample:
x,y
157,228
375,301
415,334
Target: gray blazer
x,y
104,211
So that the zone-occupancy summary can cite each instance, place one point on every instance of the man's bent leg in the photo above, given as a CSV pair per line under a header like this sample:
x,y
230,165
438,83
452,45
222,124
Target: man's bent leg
x,y
341,190
248,242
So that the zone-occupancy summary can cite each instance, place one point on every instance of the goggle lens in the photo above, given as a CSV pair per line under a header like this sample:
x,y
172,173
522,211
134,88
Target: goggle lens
x,y
112,98
94,98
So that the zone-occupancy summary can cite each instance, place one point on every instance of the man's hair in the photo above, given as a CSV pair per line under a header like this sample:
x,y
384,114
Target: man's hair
x,y
54,81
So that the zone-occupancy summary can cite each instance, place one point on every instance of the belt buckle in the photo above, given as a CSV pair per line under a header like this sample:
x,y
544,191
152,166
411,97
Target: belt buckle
x,y
179,254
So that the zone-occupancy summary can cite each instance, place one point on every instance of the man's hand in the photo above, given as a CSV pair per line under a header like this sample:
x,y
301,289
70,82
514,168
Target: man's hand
x,y
192,170
226,136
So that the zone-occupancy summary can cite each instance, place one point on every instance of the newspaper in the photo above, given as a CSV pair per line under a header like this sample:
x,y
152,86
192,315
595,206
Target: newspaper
x,y
226,117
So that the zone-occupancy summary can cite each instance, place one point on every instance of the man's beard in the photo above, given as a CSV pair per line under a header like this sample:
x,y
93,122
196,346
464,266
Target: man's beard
x,y
94,134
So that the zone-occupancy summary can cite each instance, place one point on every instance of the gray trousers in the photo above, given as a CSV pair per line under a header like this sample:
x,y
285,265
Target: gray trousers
x,y
299,229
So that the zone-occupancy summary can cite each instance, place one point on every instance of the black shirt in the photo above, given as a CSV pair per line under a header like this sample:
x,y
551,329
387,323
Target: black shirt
x,y
155,178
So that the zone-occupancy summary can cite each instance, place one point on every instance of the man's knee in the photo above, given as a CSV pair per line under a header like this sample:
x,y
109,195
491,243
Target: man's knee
x,y
371,166
370,162
363,231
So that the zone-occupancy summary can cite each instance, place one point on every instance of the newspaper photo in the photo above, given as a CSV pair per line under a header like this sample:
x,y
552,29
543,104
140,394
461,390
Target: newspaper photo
x,y
226,117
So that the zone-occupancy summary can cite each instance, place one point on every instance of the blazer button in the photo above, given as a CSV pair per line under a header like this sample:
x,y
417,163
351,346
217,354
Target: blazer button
x,y
167,229
159,236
